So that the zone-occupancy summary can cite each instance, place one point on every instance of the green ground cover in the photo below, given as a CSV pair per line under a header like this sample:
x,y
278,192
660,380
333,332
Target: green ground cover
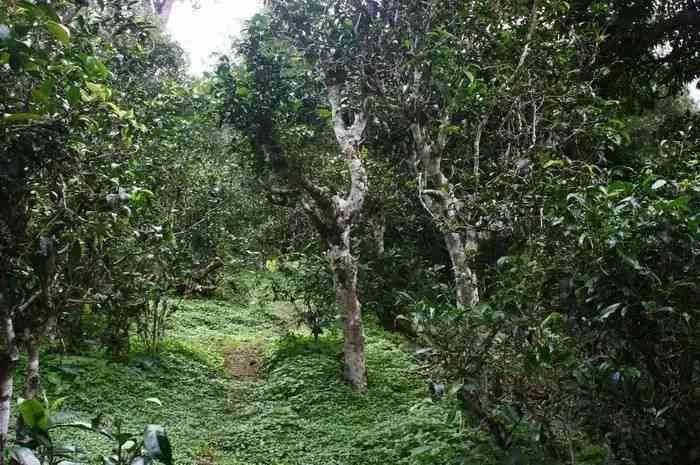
x,y
291,409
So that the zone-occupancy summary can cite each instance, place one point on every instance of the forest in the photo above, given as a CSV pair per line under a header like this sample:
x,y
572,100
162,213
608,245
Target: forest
x,y
375,232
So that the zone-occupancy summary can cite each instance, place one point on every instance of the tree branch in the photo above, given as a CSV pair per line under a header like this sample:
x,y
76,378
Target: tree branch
x,y
349,139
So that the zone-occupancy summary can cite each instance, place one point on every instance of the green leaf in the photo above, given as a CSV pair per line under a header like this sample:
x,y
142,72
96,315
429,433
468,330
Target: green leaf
x,y
472,79
554,163
74,96
98,90
49,12
95,68
142,196
272,265
421,450
616,187
34,414
59,31
680,204
633,262
20,117
32,10
128,445
631,372
553,317
118,112
452,129
44,92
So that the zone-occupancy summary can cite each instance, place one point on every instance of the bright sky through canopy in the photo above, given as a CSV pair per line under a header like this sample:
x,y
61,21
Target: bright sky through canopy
x,y
208,29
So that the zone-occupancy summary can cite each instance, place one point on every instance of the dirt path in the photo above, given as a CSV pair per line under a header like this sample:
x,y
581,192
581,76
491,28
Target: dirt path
x,y
243,363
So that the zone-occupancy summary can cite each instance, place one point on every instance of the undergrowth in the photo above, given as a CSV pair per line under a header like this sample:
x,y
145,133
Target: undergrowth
x,y
298,413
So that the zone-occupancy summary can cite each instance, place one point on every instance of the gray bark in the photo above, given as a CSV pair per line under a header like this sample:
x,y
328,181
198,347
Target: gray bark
x,y
344,267
437,197
9,360
377,223
31,384
6,387
42,318
466,285
343,263
333,217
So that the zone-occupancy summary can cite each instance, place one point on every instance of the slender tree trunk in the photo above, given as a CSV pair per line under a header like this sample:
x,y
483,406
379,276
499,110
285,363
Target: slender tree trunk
x,y
437,197
466,286
343,263
333,216
31,383
344,267
6,386
377,224
9,360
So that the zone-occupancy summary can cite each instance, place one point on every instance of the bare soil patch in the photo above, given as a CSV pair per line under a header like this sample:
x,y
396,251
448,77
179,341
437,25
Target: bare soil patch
x,y
243,363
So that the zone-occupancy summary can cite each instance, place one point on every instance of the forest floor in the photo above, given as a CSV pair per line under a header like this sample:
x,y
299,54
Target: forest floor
x,y
240,385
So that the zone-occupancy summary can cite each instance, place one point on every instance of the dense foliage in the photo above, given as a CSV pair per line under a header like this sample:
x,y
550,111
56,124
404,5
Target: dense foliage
x,y
511,186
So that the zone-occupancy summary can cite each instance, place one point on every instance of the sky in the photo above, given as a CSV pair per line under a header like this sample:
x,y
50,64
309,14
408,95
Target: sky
x,y
208,28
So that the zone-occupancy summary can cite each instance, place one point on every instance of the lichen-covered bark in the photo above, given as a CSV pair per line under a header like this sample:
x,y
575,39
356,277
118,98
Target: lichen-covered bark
x,y
377,225
437,196
466,285
31,382
344,265
333,214
9,359
6,385
12,227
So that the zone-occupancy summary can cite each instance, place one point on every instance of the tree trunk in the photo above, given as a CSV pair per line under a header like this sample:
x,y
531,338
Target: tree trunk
x,y
333,216
344,267
437,197
9,360
377,224
466,286
31,384
6,386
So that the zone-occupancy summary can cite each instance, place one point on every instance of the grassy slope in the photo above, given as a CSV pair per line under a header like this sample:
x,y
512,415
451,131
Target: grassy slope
x,y
300,413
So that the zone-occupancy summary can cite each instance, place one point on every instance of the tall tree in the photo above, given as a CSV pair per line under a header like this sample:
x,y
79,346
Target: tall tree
x,y
284,107
432,56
